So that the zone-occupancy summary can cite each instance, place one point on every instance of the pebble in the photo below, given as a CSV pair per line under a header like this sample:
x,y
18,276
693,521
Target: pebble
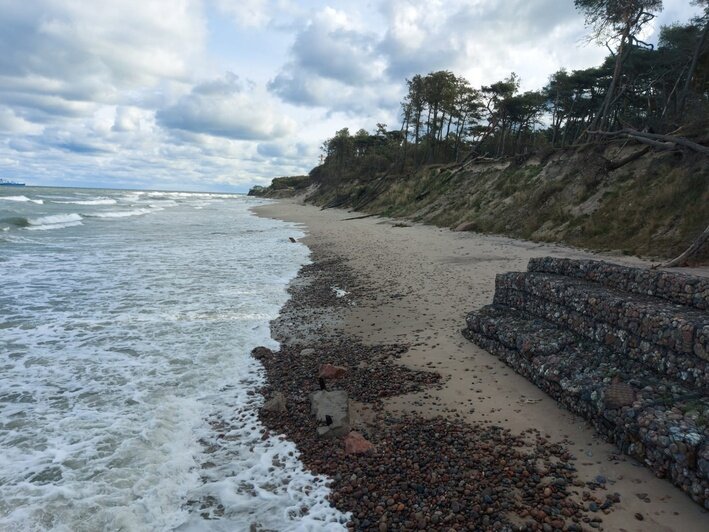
x,y
428,473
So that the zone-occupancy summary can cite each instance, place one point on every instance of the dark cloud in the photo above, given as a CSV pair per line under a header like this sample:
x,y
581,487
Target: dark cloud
x,y
81,148
335,53
284,150
224,109
333,64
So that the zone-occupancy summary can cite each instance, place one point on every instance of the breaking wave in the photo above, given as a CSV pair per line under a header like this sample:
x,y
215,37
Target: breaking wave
x,y
22,199
56,221
97,201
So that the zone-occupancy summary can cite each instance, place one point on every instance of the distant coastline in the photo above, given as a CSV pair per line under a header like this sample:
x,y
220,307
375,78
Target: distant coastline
x,y
6,183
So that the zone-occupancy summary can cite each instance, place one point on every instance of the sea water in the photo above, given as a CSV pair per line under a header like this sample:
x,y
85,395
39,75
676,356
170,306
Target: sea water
x,y
127,392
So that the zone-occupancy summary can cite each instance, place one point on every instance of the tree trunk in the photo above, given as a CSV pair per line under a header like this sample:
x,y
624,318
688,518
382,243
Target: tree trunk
x,y
690,252
459,132
599,122
405,130
692,68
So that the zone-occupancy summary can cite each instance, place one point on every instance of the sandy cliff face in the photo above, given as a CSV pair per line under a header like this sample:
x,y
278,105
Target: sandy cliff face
x,y
654,205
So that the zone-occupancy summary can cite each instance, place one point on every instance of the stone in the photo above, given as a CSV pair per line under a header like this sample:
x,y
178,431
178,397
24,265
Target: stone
x,y
307,352
355,443
277,403
332,405
328,371
261,352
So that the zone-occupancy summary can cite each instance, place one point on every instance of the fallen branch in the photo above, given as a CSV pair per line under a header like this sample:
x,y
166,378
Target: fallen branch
x,y
362,217
690,252
614,165
655,140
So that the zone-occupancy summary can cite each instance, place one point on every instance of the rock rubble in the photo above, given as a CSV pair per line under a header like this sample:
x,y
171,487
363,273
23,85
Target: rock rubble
x,y
410,473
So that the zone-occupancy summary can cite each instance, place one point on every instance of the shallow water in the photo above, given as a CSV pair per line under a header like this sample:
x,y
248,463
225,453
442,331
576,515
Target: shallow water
x,y
126,385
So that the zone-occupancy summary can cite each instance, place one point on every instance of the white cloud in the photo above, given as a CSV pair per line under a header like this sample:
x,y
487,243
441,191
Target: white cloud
x,y
128,118
61,54
246,13
11,123
134,91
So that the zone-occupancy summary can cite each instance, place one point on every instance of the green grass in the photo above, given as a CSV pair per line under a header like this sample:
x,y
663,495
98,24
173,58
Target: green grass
x,y
652,207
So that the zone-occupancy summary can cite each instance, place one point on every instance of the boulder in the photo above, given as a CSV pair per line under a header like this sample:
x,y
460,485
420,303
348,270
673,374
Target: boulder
x,y
277,403
328,371
332,409
261,352
355,443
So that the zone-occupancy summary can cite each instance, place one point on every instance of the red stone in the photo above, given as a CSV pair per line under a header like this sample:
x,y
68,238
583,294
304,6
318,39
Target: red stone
x,y
355,443
328,371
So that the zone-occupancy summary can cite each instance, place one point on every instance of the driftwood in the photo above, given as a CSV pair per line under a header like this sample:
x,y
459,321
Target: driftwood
x,y
362,217
690,252
663,142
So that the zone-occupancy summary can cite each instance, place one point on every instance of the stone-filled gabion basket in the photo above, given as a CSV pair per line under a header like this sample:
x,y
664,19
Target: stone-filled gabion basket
x,y
626,348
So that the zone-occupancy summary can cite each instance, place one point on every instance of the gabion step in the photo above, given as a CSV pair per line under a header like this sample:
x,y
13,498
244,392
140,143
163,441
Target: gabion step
x,y
675,287
619,319
657,420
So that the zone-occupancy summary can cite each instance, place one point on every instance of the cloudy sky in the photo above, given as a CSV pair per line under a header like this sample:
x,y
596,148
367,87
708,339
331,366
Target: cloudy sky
x,y
225,94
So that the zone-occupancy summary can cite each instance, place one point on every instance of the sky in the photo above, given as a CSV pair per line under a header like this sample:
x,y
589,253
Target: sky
x,y
226,94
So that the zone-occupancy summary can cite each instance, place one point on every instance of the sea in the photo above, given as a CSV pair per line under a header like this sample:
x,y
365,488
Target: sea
x,y
127,391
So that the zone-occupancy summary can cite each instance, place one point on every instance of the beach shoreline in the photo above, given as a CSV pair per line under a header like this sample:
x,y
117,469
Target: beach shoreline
x,y
411,286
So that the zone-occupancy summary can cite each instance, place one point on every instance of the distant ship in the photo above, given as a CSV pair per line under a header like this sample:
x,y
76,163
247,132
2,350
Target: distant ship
x,y
6,183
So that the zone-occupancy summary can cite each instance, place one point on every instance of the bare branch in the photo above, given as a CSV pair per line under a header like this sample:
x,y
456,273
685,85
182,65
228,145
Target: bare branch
x,y
694,248
653,139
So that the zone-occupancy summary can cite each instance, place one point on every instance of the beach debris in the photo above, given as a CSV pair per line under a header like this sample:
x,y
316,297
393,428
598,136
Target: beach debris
x,y
331,408
277,403
355,443
339,292
291,239
329,371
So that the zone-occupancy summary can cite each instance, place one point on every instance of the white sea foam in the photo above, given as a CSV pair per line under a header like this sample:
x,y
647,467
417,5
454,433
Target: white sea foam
x,y
127,387
97,201
120,214
56,221
22,199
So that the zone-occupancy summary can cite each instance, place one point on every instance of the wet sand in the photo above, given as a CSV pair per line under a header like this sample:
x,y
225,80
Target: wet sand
x,y
422,282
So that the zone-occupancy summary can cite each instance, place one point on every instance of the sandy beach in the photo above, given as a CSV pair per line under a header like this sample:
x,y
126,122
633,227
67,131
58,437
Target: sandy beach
x,y
420,282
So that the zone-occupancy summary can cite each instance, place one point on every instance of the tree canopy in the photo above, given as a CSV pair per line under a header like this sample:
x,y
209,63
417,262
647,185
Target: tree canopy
x,y
445,119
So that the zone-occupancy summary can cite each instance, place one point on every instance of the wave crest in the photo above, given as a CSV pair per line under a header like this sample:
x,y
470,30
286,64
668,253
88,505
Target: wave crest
x,y
22,199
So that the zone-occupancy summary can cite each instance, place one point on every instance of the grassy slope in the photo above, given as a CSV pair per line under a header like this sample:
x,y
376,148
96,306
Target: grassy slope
x,y
653,206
